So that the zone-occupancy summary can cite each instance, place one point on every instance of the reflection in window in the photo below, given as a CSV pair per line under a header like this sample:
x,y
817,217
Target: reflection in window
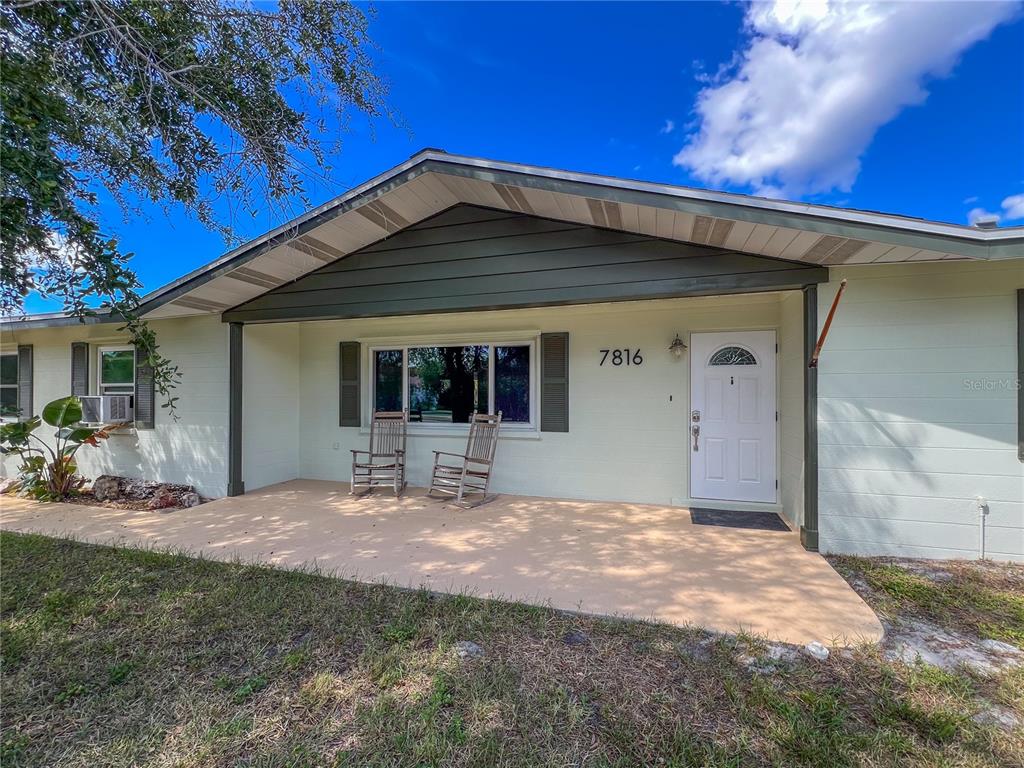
x,y
732,356
9,386
117,371
512,383
447,384
387,381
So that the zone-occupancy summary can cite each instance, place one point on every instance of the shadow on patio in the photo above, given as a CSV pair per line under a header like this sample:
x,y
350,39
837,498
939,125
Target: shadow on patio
x,y
634,560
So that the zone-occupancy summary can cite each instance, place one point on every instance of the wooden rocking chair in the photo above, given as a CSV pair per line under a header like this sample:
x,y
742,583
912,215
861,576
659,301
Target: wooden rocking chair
x,y
462,474
384,463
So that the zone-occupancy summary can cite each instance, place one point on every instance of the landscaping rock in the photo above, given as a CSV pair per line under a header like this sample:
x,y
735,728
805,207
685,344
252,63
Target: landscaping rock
x,y
816,650
758,665
190,499
163,499
467,649
1000,717
156,495
999,646
913,640
575,637
782,653
106,488
9,485
773,660
139,490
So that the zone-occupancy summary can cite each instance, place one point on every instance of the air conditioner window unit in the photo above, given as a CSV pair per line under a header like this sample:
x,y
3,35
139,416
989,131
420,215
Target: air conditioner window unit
x,y
107,409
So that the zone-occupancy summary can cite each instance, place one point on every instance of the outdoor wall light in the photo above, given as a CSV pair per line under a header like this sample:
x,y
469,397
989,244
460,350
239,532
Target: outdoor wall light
x,y
677,347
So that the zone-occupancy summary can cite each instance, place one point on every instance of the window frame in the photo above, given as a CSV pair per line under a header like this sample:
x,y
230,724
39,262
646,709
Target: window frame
x,y
711,358
490,341
98,385
16,386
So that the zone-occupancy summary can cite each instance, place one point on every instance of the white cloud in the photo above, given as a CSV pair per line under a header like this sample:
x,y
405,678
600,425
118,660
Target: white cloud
x,y
1013,210
1013,207
814,83
668,127
971,199
977,214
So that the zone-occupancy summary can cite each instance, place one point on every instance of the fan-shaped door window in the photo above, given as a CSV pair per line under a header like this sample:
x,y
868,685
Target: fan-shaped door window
x,y
733,356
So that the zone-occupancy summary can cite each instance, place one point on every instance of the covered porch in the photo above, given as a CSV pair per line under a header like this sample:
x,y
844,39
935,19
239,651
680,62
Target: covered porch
x,y
599,346
634,560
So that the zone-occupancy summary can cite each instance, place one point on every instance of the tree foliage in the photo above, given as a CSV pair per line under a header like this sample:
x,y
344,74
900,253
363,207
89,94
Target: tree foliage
x,y
180,101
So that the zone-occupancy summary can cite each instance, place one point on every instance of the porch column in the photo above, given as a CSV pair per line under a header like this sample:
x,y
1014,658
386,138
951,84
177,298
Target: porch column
x,y
809,529
235,485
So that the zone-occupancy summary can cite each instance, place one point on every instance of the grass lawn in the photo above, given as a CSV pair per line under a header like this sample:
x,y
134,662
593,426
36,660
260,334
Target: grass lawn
x,y
115,657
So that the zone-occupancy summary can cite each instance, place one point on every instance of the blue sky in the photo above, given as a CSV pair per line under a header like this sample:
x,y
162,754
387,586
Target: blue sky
x,y
914,109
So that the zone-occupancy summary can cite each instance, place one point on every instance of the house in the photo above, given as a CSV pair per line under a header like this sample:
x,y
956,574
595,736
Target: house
x,y
645,342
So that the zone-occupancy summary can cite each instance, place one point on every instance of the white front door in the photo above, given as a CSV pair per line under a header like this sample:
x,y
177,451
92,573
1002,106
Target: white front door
x,y
732,416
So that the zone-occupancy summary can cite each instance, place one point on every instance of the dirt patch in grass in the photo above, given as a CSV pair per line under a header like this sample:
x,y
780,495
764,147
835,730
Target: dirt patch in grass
x,y
981,599
122,657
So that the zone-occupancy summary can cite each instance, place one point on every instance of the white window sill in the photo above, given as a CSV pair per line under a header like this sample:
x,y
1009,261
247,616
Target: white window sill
x,y
518,432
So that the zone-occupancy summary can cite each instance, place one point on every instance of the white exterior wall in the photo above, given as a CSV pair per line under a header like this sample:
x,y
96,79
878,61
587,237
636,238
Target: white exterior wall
x,y
917,406
192,450
917,411
627,440
270,404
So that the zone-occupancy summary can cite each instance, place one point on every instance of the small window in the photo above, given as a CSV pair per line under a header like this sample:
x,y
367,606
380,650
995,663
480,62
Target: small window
x,y
733,356
447,384
512,382
9,410
387,380
115,371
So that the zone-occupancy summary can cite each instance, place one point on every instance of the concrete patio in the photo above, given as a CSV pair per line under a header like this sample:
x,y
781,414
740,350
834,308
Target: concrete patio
x,y
635,560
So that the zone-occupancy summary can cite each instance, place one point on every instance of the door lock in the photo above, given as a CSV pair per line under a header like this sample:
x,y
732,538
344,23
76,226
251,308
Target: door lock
x,y
695,431
695,416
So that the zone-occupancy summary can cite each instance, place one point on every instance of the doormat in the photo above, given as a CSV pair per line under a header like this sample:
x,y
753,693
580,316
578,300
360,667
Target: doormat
x,y
758,521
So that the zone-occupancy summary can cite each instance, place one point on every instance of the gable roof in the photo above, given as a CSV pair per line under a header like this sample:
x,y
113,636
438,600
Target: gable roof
x,y
432,181
471,258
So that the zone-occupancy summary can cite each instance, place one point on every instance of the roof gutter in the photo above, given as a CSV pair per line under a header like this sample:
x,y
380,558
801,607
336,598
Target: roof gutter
x,y
54,320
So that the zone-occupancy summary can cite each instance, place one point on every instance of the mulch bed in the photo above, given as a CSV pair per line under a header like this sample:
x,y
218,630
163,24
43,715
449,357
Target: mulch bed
x,y
86,499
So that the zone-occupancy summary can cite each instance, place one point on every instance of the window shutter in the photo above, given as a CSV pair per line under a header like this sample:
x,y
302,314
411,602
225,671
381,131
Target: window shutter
x,y
25,381
554,382
79,368
145,394
349,372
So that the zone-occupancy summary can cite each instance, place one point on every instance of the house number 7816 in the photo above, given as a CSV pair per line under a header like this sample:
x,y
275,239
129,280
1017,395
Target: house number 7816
x,y
625,356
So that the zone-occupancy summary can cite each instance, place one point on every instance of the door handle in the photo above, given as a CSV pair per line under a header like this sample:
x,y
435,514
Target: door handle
x,y
695,431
